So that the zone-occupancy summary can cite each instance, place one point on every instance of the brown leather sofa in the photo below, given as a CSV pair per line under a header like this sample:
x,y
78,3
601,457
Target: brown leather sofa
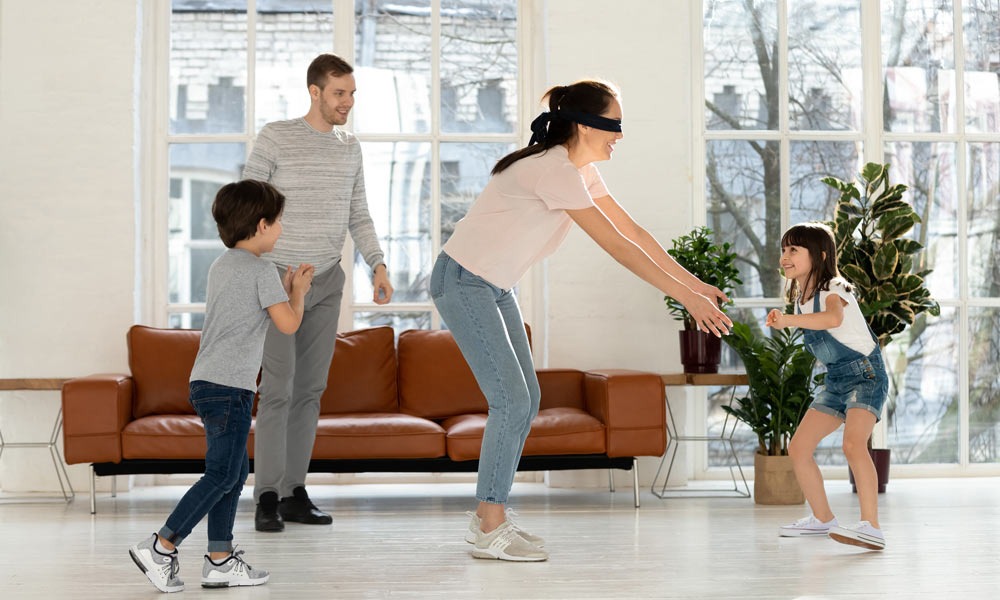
x,y
406,406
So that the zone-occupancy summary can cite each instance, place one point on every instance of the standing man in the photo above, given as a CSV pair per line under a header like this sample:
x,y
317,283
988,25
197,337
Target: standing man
x,y
317,166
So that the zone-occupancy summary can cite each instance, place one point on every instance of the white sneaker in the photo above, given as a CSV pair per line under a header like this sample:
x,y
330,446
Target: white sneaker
x,y
504,543
860,534
807,526
161,569
231,572
475,531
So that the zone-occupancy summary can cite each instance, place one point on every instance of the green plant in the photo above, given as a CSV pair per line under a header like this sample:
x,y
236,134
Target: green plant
x,y
710,262
781,385
873,254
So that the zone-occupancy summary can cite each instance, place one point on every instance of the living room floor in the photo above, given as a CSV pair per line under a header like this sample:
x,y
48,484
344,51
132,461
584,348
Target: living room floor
x,y
406,541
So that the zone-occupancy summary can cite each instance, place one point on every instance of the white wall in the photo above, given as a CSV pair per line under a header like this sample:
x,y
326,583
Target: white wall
x,y
68,108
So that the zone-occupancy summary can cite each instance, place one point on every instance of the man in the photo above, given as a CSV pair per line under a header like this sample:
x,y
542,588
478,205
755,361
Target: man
x,y
317,166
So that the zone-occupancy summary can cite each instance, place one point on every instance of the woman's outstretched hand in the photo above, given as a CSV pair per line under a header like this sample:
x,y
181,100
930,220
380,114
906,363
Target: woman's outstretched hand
x,y
707,315
711,292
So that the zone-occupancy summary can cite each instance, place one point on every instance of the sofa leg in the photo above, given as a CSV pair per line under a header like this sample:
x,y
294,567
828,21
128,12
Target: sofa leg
x,y
611,480
93,491
635,480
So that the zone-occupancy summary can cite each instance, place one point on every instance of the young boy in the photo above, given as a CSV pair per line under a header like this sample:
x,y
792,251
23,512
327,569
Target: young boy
x,y
244,291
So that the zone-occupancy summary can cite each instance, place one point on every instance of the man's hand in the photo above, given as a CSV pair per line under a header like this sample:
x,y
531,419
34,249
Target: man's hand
x,y
382,288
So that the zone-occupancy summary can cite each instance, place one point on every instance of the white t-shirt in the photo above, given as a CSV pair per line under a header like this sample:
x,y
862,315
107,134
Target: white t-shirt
x,y
520,217
853,332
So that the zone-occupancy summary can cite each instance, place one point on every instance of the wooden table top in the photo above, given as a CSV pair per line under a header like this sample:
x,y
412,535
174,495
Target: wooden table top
x,y
31,384
704,379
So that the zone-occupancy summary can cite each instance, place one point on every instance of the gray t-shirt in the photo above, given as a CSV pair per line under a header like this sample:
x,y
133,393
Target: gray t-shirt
x,y
321,176
241,286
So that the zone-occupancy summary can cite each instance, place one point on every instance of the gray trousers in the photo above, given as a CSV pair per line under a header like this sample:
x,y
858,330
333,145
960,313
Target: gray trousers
x,y
294,374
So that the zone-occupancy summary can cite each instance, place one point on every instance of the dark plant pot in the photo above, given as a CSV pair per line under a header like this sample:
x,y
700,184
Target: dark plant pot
x,y
880,456
700,352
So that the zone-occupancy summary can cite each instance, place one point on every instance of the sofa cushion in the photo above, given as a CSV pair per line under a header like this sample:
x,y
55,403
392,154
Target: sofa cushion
x,y
362,373
385,435
554,431
435,382
164,436
160,361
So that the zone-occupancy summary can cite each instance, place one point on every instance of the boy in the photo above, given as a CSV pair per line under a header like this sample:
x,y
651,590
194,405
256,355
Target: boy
x,y
244,292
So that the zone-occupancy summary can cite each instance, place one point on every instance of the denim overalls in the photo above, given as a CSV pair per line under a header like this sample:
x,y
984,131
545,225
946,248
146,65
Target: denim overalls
x,y
853,380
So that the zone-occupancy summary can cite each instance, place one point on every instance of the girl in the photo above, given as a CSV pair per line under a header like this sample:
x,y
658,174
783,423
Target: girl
x,y
522,216
856,383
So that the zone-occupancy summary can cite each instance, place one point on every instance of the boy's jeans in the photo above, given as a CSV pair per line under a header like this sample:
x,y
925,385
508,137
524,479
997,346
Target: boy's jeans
x,y
225,413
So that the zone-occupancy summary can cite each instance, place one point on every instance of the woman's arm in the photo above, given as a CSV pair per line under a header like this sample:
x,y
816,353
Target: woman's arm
x,y
830,318
599,227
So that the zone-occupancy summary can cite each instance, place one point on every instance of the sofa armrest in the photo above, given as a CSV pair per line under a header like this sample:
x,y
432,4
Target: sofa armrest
x,y
96,409
632,406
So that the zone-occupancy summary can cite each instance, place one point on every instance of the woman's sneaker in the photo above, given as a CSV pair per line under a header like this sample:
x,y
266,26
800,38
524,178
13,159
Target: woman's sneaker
x,y
160,568
860,534
231,572
505,543
475,529
807,526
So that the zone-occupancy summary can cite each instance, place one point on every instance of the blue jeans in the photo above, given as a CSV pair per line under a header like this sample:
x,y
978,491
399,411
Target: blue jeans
x,y
225,413
487,325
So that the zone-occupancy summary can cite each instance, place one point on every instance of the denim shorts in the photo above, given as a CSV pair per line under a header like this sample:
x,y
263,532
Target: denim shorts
x,y
860,383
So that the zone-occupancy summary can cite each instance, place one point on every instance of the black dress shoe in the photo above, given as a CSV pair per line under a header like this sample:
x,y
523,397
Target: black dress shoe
x,y
299,509
267,518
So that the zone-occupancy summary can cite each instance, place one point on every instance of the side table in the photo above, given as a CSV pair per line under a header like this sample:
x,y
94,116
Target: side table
x,y
9,385
726,437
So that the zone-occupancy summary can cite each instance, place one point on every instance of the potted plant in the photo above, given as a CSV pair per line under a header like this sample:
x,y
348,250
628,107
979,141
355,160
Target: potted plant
x,y
884,266
780,389
714,264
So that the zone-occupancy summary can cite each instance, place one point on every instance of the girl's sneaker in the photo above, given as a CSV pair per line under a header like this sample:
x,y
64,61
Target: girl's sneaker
x,y
807,526
860,534
475,531
231,572
504,543
160,568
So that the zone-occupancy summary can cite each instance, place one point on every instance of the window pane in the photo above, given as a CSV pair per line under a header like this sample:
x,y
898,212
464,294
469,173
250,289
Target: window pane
x,y
399,321
929,172
743,197
393,66
465,170
479,66
984,220
918,56
824,65
811,199
397,180
208,67
197,171
981,32
984,385
290,34
741,87
922,409
186,321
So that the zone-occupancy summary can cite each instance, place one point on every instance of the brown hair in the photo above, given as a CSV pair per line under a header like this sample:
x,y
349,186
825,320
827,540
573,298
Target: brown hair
x,y
239,207
326,65
819,241
585,96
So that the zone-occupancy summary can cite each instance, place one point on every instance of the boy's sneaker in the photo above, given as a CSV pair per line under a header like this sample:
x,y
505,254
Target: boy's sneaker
x,y
505,543
160,568
807,526
475,531
860,534
231,572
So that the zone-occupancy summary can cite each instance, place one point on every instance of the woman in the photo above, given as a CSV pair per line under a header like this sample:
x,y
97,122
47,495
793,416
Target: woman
x,y
524,213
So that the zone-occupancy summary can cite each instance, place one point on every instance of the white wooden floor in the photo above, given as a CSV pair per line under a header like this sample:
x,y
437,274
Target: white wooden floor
x,y
405,541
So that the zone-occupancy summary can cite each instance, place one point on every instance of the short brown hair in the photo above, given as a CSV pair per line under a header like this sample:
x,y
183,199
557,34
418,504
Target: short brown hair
x,y
326,65
240,206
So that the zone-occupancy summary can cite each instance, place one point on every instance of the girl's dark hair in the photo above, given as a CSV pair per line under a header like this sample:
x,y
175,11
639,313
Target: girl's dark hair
x,y
585,96
818,240
240,206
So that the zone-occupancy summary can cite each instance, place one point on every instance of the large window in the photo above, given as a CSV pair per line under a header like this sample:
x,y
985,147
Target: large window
x,y
795,90
437,105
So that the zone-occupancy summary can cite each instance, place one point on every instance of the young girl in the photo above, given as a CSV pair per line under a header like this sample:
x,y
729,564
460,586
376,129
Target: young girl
x,y
856,383
529,205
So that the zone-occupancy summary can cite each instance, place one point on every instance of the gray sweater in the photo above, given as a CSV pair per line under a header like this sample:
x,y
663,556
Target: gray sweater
x,y
322,178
